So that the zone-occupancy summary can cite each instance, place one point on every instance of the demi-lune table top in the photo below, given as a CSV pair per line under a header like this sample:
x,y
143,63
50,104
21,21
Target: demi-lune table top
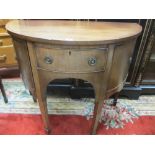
x,y
81,32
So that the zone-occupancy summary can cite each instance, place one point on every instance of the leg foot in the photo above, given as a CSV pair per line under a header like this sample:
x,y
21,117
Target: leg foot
x,y
34,99
44,114
97,115
93,133
47,131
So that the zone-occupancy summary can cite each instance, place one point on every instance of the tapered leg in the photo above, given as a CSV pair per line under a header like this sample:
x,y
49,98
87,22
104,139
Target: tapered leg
x,y
34,99
44,112
101,86
40,87
97,115
42,100
3,91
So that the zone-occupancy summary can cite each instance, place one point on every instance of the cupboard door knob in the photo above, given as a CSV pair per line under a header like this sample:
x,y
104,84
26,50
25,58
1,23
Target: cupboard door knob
x,y
92,61
48,60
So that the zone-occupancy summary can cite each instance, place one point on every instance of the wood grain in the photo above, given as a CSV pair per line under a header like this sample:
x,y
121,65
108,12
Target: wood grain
x,y
6,47
49,50
73,32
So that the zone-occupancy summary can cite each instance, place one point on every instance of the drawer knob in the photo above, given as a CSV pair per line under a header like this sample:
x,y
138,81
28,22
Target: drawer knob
x,y
3,58
48,60
92,61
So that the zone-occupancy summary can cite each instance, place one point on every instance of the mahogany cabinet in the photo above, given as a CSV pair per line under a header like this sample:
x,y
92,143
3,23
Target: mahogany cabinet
x,y
97,52
141,76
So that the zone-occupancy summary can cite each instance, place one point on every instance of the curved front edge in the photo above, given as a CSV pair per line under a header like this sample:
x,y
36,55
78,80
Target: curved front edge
x,y
120,65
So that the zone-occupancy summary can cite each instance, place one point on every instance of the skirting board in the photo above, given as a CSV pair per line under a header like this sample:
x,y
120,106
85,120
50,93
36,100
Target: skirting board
x,y
131,92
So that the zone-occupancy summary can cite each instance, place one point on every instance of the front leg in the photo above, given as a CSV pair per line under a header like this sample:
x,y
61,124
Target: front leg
x,y
40,87
97,115
44,113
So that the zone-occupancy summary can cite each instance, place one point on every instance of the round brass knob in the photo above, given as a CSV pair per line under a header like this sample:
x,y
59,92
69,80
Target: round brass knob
x,y
48,60
92,61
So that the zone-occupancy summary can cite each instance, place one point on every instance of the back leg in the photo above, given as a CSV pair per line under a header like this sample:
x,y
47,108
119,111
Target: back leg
x,y
3,91
116,95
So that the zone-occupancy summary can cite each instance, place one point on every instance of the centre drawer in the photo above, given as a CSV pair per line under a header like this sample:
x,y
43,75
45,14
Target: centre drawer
x,y
80,60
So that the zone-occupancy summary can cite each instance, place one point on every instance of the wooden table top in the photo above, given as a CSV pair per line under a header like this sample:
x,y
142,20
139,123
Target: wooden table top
x,y
61,31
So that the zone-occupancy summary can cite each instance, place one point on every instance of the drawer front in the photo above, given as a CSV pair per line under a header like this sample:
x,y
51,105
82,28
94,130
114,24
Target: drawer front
x,y
5,41
2,30
7,56
71,60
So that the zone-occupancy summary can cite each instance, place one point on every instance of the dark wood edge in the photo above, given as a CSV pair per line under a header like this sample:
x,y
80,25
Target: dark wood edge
x,y
9,72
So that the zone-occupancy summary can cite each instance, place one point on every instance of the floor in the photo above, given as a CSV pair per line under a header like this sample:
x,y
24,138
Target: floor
x,y
21,102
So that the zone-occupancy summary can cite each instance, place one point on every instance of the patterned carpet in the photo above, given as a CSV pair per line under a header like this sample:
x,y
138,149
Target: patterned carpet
x,y
21,102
